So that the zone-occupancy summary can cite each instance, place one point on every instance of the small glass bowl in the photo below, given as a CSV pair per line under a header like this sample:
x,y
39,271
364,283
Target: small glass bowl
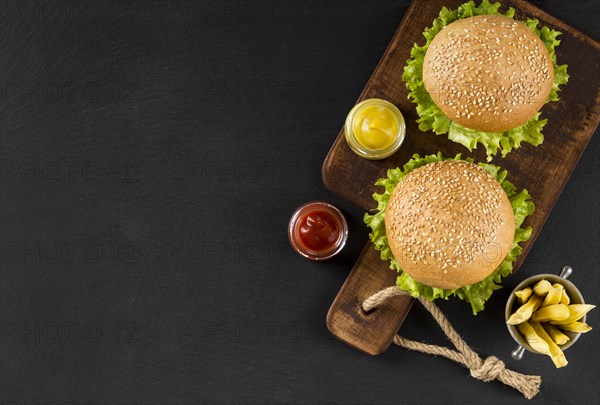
x,y
574,295
374,154
293,231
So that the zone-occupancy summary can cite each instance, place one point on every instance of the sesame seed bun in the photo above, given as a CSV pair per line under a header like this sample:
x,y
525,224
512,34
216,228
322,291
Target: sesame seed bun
x,y
449,224
488,73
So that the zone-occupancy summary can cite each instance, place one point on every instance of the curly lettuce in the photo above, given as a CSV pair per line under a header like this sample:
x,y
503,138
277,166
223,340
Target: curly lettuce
x,y
475,294
432,118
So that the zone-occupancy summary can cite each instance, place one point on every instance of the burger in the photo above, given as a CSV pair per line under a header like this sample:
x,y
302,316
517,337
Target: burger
x,y
449,227
483,77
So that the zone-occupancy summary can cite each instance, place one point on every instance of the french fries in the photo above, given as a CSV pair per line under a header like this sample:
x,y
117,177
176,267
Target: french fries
x,y
541,288
578,327
558,312
525,311
556,335
553,297
576,312
544,314
523,295
535,341
541,342
556,354
564,299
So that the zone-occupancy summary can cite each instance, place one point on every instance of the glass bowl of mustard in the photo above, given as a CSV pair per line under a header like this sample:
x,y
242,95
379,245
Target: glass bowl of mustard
x,y
375,129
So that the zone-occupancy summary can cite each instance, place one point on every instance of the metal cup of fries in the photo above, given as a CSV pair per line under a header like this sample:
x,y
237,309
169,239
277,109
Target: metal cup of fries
x,y
546,314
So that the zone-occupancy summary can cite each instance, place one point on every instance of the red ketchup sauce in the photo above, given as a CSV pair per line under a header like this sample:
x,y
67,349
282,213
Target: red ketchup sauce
x,y
318,230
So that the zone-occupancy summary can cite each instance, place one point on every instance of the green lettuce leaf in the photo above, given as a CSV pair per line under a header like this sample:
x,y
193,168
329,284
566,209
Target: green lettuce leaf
x,y
431,118
476,294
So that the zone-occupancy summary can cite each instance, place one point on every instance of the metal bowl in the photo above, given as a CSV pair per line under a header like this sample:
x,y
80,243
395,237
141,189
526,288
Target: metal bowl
x,y
574,295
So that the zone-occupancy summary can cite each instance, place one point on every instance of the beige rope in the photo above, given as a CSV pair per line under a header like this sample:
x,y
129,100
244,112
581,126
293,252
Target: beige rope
x,y
486,370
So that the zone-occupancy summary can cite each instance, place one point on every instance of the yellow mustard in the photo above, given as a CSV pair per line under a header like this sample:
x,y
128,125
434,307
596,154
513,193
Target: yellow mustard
x,y
375,127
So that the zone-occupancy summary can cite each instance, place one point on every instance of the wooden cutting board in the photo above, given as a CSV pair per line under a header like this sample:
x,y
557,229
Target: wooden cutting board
x,y
543,170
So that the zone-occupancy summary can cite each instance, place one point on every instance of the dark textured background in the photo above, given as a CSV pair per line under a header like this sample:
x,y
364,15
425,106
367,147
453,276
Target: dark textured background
x,y
151,155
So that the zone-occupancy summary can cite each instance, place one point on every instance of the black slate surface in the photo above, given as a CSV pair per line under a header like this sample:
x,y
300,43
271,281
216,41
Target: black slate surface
x,y
151,155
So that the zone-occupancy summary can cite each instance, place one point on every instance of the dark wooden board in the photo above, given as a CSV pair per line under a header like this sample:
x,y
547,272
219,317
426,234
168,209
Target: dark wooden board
x,y
346,319
543,170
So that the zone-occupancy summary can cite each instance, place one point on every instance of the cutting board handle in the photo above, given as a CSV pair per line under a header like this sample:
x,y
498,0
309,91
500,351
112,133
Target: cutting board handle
x,y
370,332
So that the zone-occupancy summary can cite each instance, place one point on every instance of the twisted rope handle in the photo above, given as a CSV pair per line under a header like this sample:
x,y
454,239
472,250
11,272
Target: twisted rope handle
x,y
486,370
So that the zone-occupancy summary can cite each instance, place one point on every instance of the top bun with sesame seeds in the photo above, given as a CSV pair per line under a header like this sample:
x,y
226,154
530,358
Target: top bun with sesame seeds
x,y
449,224
488,73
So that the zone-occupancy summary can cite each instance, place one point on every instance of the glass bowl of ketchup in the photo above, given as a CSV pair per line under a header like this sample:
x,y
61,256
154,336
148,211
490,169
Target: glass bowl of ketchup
x,y
318,230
